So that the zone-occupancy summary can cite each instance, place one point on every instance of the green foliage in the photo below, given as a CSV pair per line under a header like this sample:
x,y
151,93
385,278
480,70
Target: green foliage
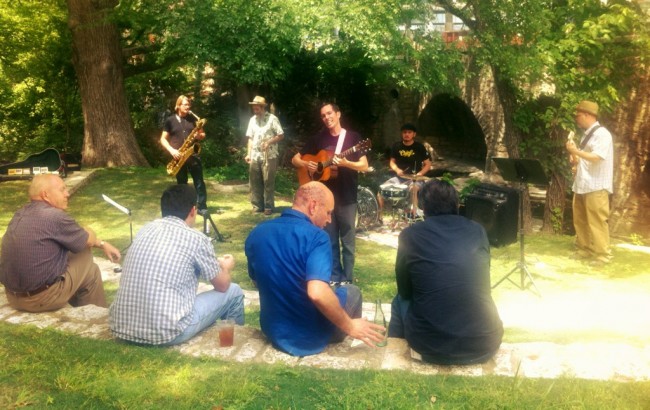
x,y
37,83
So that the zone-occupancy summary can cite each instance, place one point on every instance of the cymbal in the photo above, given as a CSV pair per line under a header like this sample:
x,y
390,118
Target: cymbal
x,y
415,177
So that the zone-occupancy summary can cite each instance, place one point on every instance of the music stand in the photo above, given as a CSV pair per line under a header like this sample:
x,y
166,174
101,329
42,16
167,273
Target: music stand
x,y
523,171
206,227
124,210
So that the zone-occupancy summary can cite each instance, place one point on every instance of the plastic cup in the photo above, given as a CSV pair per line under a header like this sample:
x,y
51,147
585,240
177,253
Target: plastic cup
x,y
226,330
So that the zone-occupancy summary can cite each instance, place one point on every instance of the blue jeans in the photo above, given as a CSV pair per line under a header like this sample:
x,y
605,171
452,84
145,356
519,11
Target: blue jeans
x,y
210,306
350,299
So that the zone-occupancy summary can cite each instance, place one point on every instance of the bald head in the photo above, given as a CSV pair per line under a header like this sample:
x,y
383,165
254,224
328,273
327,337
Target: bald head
x,y
316,201
49,188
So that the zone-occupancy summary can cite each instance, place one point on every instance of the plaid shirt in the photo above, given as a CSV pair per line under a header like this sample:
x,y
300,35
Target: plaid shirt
x,y
594,176
155,299
36,245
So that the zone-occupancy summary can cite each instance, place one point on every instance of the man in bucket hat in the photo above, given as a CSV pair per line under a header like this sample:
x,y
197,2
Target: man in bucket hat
x,y
593,159
264,133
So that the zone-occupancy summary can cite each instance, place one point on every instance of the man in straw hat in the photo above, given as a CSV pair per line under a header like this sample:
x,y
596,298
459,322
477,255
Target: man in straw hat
x,y
264,133
594,162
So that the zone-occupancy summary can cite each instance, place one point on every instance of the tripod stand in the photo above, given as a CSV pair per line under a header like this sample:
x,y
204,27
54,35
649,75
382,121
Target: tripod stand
x,y
208,223
522,171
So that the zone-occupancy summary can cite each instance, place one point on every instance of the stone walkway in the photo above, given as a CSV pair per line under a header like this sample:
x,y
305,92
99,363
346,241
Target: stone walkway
x,y
596,360
601,361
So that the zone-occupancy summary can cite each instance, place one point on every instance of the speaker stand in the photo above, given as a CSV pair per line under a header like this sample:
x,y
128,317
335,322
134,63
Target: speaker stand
x,y
524,273
523,171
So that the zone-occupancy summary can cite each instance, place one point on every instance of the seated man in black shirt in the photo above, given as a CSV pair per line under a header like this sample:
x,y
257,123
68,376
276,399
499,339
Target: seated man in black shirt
x,y
444,308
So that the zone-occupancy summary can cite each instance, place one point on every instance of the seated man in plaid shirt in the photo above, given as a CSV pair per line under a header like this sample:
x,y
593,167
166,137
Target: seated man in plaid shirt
x,y
156,303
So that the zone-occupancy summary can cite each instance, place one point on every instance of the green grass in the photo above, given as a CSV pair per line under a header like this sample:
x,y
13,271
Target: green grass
x,y
45,368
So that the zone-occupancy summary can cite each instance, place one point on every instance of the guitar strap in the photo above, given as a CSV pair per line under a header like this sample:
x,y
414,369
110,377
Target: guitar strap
x,y
587,137
339,144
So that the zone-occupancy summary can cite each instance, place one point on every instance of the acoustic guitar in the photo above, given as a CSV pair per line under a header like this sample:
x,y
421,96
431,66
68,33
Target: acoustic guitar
x,y
325,169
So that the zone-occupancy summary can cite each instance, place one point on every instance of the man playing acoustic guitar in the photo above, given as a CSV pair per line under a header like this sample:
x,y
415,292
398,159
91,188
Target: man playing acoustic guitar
x,y
341,180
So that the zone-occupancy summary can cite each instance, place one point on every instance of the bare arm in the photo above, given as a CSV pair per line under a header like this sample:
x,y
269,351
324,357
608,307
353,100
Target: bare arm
x,y
327,303
426,167
111,252
393,165
298,162
360,166
575,152
221,282
164,141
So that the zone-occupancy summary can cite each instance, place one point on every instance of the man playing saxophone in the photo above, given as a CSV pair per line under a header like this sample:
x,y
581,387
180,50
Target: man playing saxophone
x,y
176,129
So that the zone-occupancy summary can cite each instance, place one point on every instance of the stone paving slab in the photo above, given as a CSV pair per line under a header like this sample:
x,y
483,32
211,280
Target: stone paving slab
x,y
598,361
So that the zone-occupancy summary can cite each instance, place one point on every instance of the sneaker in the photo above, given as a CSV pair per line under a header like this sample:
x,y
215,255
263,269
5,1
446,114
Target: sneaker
x,y
268,212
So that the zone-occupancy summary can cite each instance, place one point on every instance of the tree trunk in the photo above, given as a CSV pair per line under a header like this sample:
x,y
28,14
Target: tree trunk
x,y
511,137
109,139
556,192
631,132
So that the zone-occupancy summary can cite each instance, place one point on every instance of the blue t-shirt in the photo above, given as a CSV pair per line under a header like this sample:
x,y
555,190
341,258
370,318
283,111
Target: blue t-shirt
x,y
283,254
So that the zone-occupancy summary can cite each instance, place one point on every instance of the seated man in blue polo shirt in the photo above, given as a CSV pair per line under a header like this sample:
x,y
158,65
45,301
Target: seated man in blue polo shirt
x,y
290,261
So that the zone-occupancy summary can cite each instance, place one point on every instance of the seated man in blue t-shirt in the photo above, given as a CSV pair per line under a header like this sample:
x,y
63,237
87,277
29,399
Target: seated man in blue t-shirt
x,y
290,261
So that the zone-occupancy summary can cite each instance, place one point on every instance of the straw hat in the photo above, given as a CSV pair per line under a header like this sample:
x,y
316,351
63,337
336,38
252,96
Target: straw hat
x,y
589,107
258,101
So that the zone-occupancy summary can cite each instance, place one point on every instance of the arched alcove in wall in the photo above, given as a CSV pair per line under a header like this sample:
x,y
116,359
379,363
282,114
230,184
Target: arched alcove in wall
x,y
450,126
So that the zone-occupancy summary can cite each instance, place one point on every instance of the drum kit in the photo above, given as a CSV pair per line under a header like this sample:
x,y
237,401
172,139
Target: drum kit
x,y
398,198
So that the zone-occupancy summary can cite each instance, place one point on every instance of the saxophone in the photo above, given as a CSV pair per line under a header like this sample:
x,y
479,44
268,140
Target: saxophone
x,y
190,146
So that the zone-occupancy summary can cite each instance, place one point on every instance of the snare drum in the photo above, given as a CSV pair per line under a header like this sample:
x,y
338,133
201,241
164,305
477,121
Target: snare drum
x,y
394,191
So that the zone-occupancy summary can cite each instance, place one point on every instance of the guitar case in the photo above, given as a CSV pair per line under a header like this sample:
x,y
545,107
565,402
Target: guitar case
x,y
45,162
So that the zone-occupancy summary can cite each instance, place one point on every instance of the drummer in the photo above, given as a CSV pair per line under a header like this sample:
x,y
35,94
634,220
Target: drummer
x,y
410,160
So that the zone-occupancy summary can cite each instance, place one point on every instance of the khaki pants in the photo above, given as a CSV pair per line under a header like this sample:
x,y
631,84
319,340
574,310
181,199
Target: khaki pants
x,y
81,285
591,222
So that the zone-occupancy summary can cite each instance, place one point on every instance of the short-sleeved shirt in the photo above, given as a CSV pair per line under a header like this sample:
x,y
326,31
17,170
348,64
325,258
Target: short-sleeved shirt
x,y
283,255
179,128
261,130
36,244
443,268
344,186
155,298
409,158
595,176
